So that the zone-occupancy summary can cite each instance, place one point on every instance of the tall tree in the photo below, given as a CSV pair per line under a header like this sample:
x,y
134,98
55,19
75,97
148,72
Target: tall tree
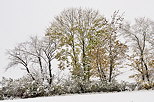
x,y
19,57
141,35
35,50
115,49
74,28
36,56
84,36
49,48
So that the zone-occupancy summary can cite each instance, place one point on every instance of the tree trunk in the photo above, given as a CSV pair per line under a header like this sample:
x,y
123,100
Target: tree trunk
x,y
40,63
29,72
50,74
110,57
146,68
111,69
83,59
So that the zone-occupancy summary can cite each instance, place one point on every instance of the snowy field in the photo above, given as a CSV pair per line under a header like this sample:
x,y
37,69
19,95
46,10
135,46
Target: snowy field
x,y
137,96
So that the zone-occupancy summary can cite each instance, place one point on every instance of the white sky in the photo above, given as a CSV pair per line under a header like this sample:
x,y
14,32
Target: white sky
x,y
21,18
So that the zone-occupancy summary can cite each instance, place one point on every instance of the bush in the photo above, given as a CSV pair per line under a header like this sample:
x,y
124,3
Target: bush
x,y
148,86
22,88
27,88
1,95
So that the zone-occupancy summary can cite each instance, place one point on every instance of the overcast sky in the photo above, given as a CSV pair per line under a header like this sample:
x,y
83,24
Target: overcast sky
x,y
21,18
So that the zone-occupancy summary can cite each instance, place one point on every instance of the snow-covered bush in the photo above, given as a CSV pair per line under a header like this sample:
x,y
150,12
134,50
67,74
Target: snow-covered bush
x,y
22,88
148,85
1,94
26,87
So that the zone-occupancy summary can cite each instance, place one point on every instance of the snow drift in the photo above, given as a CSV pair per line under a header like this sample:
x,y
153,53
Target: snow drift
x,y
136,96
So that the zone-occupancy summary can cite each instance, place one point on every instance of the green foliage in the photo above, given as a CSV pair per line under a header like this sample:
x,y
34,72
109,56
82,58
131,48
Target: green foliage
x,y
83,42
80,33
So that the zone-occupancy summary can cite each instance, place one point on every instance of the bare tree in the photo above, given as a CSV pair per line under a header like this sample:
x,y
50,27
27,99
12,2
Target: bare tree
x,y
36,51
36,56
49,48
140,35
116,50
17,56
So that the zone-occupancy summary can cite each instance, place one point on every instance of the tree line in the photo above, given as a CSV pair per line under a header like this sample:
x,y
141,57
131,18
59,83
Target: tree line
x,y
90,47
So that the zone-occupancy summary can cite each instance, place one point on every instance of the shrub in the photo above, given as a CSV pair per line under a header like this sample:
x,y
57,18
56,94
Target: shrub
x,y
148,86
27,88
1,95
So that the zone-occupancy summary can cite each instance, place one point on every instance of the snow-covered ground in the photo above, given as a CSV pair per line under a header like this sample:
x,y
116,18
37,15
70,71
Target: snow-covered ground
x,y
136,96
